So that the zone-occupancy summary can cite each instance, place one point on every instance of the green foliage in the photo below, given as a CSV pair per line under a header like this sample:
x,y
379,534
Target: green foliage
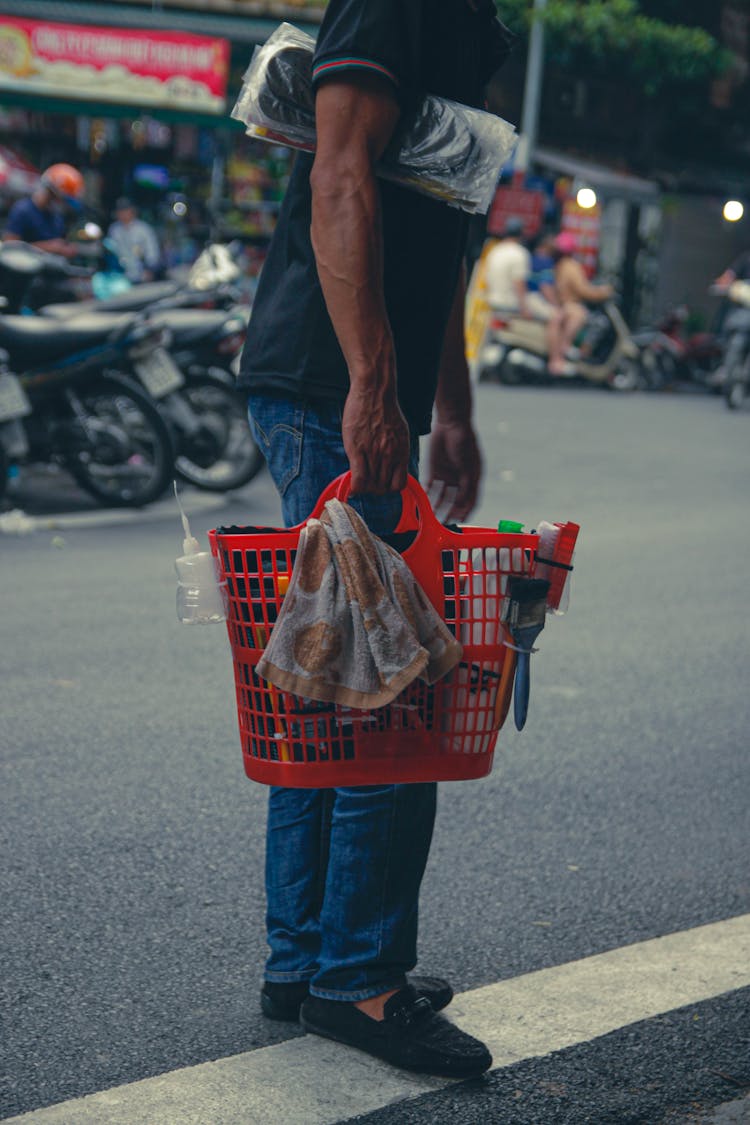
x,y
616,33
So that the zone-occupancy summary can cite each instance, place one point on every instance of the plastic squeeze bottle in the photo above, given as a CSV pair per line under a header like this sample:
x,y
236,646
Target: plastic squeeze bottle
x,y
201,598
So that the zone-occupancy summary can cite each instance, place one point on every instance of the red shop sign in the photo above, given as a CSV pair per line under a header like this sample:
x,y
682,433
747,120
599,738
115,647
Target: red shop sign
x,y
115,64
517,203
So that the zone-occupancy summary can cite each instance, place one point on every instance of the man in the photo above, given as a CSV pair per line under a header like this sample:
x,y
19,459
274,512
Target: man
x,y
508,272
510,284
41,219
733,322
357,330
573,289
135,243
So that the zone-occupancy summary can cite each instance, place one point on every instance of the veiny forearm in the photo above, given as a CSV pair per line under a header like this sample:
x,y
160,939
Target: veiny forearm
x,y
453,400
348,243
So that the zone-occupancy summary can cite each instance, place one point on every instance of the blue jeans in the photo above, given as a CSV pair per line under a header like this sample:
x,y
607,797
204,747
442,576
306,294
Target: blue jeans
x,y
343,866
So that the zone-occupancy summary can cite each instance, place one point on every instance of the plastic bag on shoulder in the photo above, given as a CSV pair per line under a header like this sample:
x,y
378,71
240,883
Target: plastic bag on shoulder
x,y
441,148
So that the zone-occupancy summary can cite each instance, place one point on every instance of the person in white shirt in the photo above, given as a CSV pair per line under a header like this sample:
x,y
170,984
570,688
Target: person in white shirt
x,y
135,243
509,268
508,271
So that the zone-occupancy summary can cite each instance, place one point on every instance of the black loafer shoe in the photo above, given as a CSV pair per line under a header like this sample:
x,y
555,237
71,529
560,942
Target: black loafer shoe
x,y
411,1035
283,1001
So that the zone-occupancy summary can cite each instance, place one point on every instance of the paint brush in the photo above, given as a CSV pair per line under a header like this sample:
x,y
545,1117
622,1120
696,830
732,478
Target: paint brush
x,y
524,614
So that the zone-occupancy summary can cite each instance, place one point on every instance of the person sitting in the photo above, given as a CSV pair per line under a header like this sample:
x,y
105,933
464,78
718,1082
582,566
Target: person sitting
x,y
512,286
542,296
573,288
508,271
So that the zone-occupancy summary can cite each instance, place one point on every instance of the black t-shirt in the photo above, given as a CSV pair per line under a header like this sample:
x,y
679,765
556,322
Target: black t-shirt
x,y
449,49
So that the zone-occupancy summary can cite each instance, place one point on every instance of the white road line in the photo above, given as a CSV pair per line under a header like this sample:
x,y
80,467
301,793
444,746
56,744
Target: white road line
x,y
311,1081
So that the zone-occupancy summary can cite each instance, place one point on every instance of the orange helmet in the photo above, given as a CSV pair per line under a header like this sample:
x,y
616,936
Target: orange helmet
x,y
64,181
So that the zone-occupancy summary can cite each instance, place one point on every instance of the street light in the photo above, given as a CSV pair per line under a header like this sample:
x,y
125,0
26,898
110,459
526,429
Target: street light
x,y
733,210
586,198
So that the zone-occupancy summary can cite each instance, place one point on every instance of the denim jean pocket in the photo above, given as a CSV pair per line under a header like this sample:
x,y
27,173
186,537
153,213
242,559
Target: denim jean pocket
x,y
278,425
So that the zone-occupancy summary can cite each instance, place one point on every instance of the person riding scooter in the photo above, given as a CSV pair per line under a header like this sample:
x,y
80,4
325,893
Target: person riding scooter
x,y
509,282
574,291
40,220
735,322
517,347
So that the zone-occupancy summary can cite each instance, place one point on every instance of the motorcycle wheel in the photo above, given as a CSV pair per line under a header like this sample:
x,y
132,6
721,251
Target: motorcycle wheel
x,y
626,377
490,363
509,374
652,373
129,460
223,455
735,394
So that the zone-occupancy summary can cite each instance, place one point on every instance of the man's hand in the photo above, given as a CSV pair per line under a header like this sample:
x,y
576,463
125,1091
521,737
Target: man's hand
x,y
456,461
376,440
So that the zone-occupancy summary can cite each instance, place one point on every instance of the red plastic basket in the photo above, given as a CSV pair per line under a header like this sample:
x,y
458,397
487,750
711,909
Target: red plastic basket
x,y
441,732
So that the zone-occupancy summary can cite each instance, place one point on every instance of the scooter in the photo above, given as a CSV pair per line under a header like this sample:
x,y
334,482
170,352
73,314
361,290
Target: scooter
x,y
195,386
516,351
736,383
189,376
34,281
669,355
69,396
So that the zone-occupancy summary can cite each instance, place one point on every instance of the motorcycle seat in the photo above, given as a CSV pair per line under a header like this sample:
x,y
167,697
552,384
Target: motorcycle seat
x,y
139,297
31,340
189,326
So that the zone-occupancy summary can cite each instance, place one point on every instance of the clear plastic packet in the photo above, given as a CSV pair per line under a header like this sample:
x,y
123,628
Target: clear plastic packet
x,y
441,148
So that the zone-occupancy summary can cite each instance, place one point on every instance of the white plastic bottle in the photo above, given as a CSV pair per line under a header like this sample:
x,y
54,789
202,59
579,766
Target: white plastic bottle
x,y
201,597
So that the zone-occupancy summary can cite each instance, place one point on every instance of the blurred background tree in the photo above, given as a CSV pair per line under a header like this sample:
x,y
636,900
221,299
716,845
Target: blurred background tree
x,y
659,43
644,71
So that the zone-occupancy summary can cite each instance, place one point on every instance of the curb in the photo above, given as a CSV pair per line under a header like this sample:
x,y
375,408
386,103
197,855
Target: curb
x,y
17,522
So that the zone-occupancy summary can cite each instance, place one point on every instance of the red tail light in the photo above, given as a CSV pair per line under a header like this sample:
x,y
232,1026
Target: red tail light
x,y
231,345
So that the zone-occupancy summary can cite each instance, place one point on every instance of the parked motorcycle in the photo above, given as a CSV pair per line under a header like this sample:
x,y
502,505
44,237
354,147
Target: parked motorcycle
x,y
189,376
736,382
210,284
68,397
516,351
217,451
671,354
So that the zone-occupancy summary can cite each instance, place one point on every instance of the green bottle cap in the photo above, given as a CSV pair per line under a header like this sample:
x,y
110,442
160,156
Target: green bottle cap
x,y
510,527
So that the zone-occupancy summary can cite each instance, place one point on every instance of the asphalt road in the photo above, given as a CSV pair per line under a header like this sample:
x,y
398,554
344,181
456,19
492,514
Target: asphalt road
x,y
131,880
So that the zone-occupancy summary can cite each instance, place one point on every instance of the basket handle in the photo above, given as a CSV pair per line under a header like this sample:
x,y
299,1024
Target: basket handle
x,y
423,555
416,512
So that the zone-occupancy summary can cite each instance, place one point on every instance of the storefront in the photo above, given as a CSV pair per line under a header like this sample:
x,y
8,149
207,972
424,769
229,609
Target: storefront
x,y
139,100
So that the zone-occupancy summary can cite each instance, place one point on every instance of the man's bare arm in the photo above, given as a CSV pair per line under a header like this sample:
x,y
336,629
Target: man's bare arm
x,y
355,118
454,453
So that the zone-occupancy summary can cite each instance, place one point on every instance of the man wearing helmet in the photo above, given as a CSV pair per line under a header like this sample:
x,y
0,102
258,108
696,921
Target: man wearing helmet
x,y
40,219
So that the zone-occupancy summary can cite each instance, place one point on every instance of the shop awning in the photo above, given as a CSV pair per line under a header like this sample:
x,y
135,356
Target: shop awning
x,y
607,181
238,29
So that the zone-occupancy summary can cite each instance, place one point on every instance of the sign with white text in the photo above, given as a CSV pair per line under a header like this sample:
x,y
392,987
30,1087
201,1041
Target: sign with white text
x,y
144,68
